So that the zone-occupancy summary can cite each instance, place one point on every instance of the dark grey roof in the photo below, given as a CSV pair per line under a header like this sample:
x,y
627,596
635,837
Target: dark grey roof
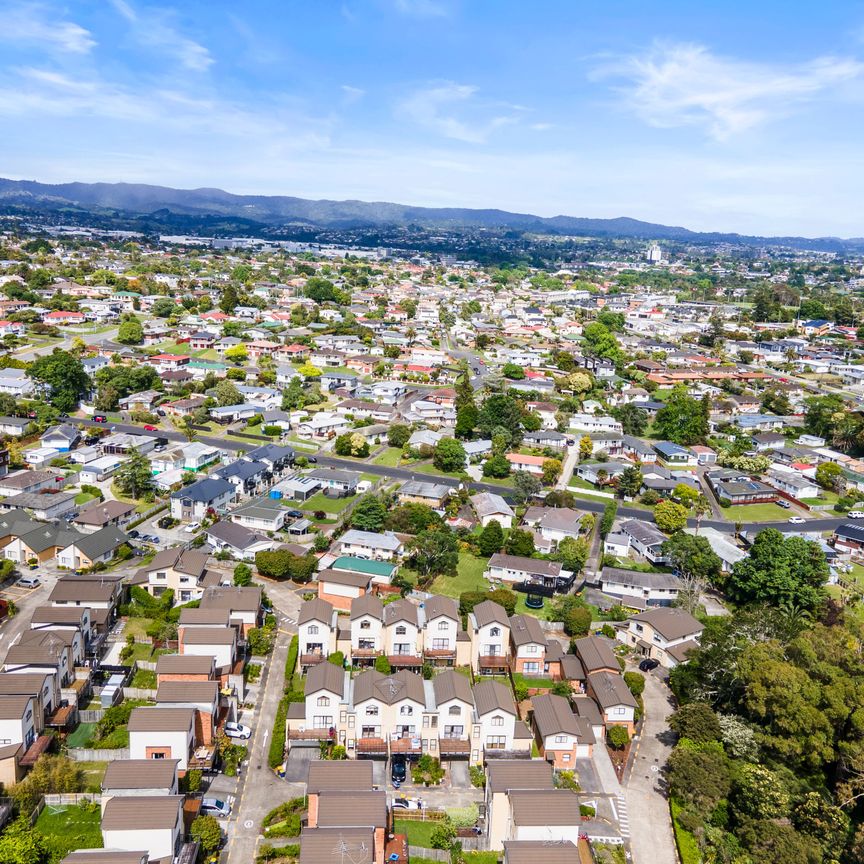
x,y
325,676
507,774
553,716
541,807
490,612
609,689
315,609
101,542
493,696
204,490
140,774
596,653
354,774
451,684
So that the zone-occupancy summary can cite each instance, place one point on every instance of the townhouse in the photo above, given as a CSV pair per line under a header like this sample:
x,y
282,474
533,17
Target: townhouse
x,y
183,571
195,500
665,634
489,635
152,824
162,733
562,736
385,546
317,627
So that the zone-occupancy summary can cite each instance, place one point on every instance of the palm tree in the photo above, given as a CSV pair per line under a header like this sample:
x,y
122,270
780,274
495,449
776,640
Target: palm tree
x,y
701,506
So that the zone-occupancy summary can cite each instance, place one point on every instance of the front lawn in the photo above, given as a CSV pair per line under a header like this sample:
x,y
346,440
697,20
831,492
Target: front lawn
x,y
469,577
755,513
391,457
83,498
70,828
419,832
323,503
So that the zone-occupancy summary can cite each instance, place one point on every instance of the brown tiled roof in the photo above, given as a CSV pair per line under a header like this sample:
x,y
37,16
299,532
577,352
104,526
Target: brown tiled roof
x,y
490,612
208,636
141,812
609,690
13,707
596,653
158,719
532,851
184,664
105,856
671,623
191,617
140,774
506,774
400,610
540,807
325,776
235,598
206,692
438,605
553,716
450,684
83,590
337,846
325,676
492,696
367,604
315,609
389,689
343,577
525,630
341,809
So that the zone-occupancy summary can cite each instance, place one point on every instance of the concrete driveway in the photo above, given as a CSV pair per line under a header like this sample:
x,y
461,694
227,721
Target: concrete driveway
x,y
650,829
297,764
460,778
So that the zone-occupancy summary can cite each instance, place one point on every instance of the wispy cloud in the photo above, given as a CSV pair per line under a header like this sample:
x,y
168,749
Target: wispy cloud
x,y
35,24
352,94
674,85
421,8
437,107
153,28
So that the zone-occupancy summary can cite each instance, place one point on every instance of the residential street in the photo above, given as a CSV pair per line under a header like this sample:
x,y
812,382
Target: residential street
x,y
651,838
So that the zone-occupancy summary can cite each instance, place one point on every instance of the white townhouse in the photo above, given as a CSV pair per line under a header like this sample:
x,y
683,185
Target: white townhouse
x,y
317,626
489,632
367,628
369,544
19,720
588,423
454,702
402,635
497,727
664,633
151,824
162,733
441,642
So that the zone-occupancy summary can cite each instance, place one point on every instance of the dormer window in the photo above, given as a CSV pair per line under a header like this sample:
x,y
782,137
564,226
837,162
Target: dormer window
x,y
406,710
495,631
455,710
401,630
497,721
323,701
443,625
365,625
312,629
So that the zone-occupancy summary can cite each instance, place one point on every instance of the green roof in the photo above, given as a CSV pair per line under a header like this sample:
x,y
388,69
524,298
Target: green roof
x,y
206,364
361,565
126,294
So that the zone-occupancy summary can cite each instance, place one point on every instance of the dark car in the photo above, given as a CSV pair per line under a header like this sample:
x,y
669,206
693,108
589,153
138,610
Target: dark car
x,y
134,534
648,664
312,460
295,514
398,769
91,439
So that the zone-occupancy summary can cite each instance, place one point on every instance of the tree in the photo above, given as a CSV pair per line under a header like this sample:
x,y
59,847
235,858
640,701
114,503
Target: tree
x,y
685,494
586,448
610,511
575,382
307,370
242,575
382,665
226,393
630,481
412,518
164,307
525,485
780,571
228,300
275,564
496,466
697,722
700,778
759,793
369,514
449,455
467,417
130,332
683,419
696,564
504,597
598,341
551,471
635,682
557,497
20,844
134,477
513,371
433,552
491,539
618,737
351,444
670,517
828,475
398,435
501,410
633,419
573,553
64,375
206,830
520,542
573,614
237,354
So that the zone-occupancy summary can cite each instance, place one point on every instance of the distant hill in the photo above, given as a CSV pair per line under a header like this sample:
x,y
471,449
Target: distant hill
x,y
273,210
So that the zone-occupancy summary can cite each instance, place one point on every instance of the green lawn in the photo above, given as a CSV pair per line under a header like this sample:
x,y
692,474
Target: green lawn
x,y
419,833
83,498
468,578
755,513
140,651
69,828
529,681
81,735
137,627
145,679
429,468
322,502
391,457
93,774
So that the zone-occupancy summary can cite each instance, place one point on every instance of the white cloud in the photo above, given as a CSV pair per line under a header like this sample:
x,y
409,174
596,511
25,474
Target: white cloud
x,y
421,8
435,108
352,94
674,85
34,24
153,29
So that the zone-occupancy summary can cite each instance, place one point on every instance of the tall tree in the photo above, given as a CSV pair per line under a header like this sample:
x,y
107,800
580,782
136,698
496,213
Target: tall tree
x,y
134,477
683,419
63,373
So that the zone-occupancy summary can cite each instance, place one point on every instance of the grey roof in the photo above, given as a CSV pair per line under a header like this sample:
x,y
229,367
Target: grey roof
x,y
525,630
553,716
586,707
196,616
644,532
533,566
203,491
332,475
325,676
507,774
639,578
425,489
595,653
13,706
354,774
105,856
493,696
387,540
352,809
451,684
24,683
66,431
367,604
100,512
83,590
234,534
490,504
208,636
490,612
438,605
542,807
159,719
560,519
609,689
141,812
204,692
669,622
261,508
315,609
400,610
237,598
184,664
100,542
344,577
242,470
335,845
547,851
389,689
140,774
37,501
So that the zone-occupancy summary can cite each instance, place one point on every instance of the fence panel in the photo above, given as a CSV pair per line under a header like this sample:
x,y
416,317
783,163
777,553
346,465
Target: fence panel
x,y
92,754
138,693
70,798
433,854
93,716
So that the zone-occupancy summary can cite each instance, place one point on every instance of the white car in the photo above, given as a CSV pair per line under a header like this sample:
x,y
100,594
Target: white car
x,y
215,807
192,527
856,514
237,730
407,804
796,520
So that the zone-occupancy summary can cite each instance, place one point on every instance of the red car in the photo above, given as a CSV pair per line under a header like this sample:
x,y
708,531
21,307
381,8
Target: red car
x,y
150,428
101,418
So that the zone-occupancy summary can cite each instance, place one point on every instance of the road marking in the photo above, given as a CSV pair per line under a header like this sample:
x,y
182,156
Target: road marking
x,y
623,819
248,823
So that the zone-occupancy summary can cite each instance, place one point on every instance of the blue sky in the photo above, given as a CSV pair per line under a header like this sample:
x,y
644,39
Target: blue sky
x,y
740,116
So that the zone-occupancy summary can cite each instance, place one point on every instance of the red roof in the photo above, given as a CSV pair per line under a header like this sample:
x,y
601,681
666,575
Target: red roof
x,y
521,459
170,357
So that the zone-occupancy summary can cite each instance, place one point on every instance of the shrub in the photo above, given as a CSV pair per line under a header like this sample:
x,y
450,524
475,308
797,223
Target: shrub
x,y
337,658
242,575
277,741
268,852
608,631
427,771
618,737
443,835
271,430
382,665
478,776
636,682
587,810
567,780
284,820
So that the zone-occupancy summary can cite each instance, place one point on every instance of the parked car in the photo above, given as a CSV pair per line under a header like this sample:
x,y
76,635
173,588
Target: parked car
x,y
407,804
782,502
28,582
295,514
192,527
149,427
796,520
91,439
100,418
856,514
215,807
398,769
648,664
237,730
135,533
312,460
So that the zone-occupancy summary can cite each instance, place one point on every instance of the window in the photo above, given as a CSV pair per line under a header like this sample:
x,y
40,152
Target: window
x,y
496,742
531,668
402,648
323,701
440,644
495,631
560,739
565,757
453,731
371,710
497,721
443,625
620,711
406,710
455,711
157,755
401,630
312,629
531,649
365,625
322,722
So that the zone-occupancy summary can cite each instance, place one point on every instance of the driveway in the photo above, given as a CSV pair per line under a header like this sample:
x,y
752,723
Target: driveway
x,y
459,775
297,764
651,837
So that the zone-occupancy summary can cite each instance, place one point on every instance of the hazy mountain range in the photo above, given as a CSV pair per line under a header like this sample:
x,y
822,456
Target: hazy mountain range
x,y
133,199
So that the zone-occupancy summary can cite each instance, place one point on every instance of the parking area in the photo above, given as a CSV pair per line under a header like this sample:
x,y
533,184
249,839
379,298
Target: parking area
x,y
297,763
589,779
460,778
380,773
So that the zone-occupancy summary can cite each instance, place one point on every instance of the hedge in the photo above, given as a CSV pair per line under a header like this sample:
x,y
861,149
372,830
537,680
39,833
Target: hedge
x,y
291,659
277,742
688,847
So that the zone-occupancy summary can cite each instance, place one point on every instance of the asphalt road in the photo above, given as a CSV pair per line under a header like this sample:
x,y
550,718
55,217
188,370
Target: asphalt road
x,y
811,525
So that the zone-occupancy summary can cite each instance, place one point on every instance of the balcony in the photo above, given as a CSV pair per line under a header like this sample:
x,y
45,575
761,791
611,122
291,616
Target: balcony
x,y
439,655
312,659
371,747
405,661
202,758
453,747
310,734
493,661
408,745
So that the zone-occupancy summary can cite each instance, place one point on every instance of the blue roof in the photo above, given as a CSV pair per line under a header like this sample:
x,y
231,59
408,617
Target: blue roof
x,y
669,448
242,469
816,322
207,489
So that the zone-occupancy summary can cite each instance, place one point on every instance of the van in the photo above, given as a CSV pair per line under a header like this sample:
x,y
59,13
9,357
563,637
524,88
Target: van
x,y
856,514
28,582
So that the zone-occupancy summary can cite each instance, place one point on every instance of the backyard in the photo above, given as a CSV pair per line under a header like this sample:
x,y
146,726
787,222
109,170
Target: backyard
x,y
469,577
419,832
68,828
321,502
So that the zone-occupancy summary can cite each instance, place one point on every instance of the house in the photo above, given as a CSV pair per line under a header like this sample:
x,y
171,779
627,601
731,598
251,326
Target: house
x,y
15,427
357,844
848,539
88,549
30,482
490,507
518,569
554,524
443,641
20,719
550,816
529,464
611,693
368,544
16,383
218,642
675,455
44,506
562,736
100,596
341,587
323,777
242,603
503,777
241,543
722,546
180,570
738,488
381,571
104,514
794,485
193,501
188,667
99,469
139,777
197,456
454,701
61,438
146,400
637,589
43,652
489,633
588,423
528,646
500,732
318,715
402,635
260,514
157,732
366,629
334,482
431,494
201,696
317,626
646,539
153,824
665,634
